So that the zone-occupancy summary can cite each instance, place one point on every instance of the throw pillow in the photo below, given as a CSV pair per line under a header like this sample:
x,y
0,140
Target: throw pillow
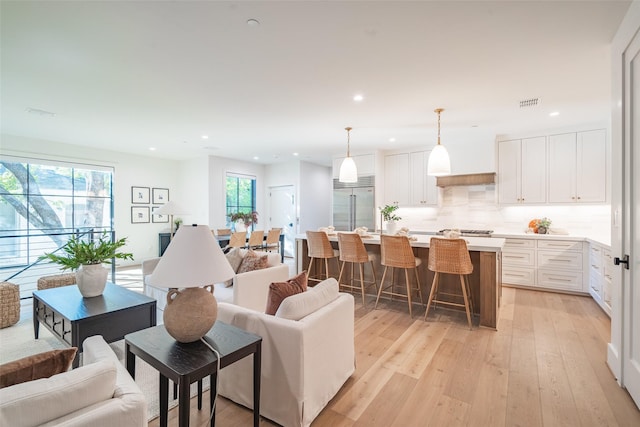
x,y
42,365
253,261
278,291
303,304
235,259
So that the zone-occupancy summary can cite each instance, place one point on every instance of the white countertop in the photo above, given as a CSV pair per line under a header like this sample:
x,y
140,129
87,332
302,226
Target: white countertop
x,y
480,244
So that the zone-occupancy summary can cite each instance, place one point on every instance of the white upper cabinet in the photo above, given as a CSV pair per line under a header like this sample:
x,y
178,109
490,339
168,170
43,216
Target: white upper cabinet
x,y
522,171
577,167
423,187
396,179
364,163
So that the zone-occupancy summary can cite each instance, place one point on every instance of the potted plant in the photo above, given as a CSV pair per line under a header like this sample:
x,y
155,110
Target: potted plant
x,y
543,225
388,215
87,257
177,222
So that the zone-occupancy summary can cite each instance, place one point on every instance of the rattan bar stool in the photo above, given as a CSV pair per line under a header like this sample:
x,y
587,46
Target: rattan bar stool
x,y
450,256
352,251
319,246
256,239
396,252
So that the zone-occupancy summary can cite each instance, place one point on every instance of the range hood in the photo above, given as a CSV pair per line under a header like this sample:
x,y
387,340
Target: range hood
x,y
469,179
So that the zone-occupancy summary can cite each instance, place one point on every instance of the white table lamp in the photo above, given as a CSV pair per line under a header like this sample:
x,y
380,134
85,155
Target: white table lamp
x,y
170,208
192,262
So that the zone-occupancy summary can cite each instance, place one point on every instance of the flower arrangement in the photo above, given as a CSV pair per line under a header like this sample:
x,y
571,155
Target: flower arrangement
x,y
388,213
247,218
540,226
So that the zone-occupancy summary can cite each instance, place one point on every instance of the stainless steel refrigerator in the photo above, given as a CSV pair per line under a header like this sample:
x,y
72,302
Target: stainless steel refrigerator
x,y
353,207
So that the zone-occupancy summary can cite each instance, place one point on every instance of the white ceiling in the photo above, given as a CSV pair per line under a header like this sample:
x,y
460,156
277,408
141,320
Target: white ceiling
x,y
127,75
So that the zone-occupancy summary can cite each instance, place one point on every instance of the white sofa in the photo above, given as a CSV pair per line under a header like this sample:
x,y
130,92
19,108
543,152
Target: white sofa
x,y
100,393
305,362
249,289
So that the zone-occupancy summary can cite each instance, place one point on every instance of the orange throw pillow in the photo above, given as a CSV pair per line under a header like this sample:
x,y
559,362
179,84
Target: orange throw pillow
x,y
42,365
278,291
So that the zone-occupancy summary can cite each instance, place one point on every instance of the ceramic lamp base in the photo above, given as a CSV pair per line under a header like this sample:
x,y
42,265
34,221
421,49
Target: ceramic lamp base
x,y
190,313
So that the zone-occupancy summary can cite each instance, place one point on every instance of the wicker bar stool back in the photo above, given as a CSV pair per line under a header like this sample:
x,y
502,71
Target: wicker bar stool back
x,y
450,256
319,246
256,239
396,252
352,251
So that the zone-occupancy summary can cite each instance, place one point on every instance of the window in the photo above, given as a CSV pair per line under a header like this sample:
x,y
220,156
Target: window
x,y
240,194
42,204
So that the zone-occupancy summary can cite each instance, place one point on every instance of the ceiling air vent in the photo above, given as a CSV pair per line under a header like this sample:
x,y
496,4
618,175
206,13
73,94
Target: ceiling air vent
x,y
532,102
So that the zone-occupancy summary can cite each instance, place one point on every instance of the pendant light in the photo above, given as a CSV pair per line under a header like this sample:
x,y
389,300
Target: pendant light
x,y
439,163
348,170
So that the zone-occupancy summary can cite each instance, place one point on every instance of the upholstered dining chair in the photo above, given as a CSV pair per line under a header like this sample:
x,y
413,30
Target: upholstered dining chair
x,y
396,252
450,256
319,247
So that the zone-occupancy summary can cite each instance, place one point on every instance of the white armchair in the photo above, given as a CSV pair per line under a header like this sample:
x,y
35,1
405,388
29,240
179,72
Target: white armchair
x,y
304,362
249,289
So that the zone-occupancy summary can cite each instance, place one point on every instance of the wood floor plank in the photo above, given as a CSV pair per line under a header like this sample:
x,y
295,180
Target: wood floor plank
x,y
464,380
383,409
425,349
523,399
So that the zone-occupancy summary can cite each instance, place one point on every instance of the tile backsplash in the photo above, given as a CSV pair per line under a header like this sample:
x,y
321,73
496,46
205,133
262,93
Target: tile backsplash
x,y
476,207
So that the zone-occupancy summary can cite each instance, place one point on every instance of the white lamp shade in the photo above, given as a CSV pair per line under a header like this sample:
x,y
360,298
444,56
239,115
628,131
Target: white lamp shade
x,y
192,259
169,208
439,163
348,170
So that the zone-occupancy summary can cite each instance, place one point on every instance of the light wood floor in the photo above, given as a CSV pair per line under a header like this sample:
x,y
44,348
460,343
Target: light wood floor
x,y
545,366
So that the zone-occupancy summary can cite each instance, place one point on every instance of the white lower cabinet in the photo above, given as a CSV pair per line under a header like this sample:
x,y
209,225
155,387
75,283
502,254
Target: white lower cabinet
x,y
546,264
600,263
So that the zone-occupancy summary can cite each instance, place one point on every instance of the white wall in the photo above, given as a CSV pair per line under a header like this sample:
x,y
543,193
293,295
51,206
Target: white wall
x,y
194,190
316,192
279,175
129,170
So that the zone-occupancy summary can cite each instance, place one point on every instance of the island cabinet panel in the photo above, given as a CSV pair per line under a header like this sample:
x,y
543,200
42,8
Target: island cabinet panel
x,y
485,280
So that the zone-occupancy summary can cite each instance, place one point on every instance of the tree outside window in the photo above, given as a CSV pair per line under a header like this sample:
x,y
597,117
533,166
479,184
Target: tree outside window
x,y
240,195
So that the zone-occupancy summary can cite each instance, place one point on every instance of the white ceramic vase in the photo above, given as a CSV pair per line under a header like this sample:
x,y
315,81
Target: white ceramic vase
x,y
392,227
91,280
240,226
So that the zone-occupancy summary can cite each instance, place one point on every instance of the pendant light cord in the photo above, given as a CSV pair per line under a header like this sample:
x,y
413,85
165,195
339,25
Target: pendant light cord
x,y
348,129
439,110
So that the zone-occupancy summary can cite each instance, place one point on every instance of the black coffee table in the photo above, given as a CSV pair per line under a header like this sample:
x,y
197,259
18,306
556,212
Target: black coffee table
x,y
185,364
72,318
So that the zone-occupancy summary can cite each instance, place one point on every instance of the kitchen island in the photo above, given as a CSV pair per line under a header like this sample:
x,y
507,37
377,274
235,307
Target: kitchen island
x,y
485,281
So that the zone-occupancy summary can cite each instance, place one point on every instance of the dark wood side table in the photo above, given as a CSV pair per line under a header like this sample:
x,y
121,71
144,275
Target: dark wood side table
x,y
72,318
187,363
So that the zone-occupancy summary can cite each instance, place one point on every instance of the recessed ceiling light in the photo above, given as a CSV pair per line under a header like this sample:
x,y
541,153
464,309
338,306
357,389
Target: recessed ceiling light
x,y
256,157
474,126
205,136
358,97
392,140
253,22
210,147
152,148
295,154
554,114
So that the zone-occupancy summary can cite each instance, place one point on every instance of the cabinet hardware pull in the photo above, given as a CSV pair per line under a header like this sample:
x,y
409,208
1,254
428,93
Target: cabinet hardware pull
x,y
559,279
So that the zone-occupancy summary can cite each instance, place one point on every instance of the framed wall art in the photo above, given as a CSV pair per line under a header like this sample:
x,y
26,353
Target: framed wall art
x,y
160,196
156,217
139,214
140,195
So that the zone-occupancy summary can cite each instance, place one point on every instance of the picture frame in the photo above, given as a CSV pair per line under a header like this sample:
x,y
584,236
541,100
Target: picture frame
x,y
156,217
139,214
140,195
160,196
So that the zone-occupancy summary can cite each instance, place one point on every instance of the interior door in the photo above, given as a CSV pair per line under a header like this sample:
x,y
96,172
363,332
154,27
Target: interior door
x,y
283,214
631,225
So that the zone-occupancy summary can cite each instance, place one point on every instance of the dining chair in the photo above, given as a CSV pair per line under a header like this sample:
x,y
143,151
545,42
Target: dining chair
x,y
273,240
256,239
238,240
450,256
396,252
223,231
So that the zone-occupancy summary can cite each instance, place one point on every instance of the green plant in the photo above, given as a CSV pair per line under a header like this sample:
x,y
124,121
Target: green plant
x,y
388,213
544,222
177,222
246,217
79,252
